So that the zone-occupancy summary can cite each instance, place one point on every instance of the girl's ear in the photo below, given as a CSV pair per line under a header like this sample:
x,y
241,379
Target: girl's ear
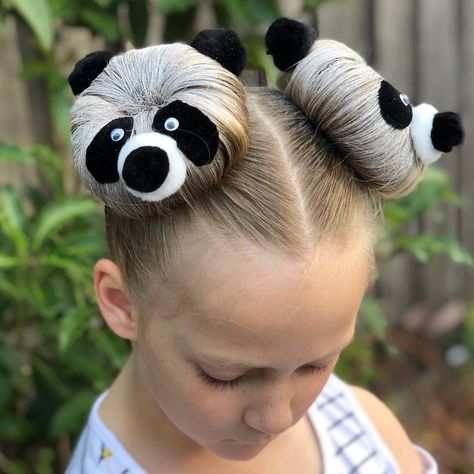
x,y
113,300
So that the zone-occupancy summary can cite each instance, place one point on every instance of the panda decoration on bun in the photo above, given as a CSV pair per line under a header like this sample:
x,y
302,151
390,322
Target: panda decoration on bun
x,y
155,127
144,117
295,47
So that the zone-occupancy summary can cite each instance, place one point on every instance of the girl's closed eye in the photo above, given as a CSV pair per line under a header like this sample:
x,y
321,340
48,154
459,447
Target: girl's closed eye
x,y
219,383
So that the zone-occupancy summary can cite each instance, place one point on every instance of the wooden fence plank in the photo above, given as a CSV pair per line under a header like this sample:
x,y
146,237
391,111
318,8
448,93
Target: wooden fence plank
x,y
393,59
466,89
15,122
437,62
394,42
348,22
14,125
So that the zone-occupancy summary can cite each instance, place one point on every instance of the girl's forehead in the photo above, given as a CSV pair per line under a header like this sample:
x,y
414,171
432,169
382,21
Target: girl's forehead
x,y
269,299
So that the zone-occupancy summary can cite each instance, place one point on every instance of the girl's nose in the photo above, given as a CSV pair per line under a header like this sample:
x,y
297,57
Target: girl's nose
x,y
271,414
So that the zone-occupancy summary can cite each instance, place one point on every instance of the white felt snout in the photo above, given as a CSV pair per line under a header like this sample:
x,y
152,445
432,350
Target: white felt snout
x,y
420,130
177,165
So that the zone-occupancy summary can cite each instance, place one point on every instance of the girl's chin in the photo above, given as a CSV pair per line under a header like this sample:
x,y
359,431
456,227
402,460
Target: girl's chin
x,y
237,451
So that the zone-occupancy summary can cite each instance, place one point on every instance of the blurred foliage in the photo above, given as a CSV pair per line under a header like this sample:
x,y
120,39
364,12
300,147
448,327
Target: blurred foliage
x,y
432,190
394,237
55,353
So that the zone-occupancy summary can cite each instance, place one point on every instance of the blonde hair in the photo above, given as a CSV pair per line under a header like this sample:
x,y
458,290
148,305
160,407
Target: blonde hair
x,y
295,168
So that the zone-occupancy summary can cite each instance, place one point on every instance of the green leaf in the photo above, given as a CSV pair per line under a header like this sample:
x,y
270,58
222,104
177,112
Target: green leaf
x,y
264,10
79,361
179,26
50,377
60,105
37,15
33,68
13,220
9,289
101,21
167,7
14,428
252,11
51,167
239,9
372,317
45,461
314,4
72,414
57,215
425,247
138,18
3,14
17,466
47,157
59,8
88,243
76,270
104,3
432,190
259,59
110,345
14,153
9,262
71,327
9,360
5,392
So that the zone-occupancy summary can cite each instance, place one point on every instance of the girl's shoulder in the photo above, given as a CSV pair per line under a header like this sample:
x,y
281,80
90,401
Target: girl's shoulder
x,y
390,430
99,451
355,426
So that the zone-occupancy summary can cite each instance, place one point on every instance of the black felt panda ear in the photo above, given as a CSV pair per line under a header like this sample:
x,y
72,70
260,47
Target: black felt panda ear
x,y
289,41
222,45
87,69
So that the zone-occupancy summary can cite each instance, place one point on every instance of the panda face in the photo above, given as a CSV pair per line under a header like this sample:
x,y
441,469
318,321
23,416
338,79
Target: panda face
x,y
151,164
395,107
102,153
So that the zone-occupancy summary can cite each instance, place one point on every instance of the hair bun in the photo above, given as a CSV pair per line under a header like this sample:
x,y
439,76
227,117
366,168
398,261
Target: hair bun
x,y
156,127
380,134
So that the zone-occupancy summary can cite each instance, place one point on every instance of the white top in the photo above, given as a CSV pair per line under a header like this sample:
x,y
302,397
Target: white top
x,y
348,440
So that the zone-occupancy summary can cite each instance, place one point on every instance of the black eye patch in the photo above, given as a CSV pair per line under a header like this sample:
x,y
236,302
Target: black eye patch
x,y
396,112
102,153
195,134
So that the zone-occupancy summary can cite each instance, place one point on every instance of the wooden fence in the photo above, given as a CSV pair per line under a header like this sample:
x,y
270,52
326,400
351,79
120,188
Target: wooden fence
x,y
425,48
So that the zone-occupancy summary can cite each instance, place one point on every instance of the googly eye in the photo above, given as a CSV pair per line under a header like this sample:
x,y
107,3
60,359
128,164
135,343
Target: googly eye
x,y
404,98
117,134
171,124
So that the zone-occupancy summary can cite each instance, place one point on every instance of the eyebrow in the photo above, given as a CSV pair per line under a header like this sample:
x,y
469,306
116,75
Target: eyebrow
x,y
229,364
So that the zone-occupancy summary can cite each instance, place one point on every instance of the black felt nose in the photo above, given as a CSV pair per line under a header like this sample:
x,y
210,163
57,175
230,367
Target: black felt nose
x,y
447,131
145,169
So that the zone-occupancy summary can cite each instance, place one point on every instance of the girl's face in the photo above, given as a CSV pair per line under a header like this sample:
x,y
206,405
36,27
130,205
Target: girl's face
x,y
252,345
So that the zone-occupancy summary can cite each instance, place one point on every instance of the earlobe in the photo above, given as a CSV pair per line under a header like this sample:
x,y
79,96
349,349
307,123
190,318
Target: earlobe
x,y
113,299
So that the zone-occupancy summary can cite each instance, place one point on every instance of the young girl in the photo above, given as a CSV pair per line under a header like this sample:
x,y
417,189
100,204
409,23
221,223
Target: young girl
x,y
241,224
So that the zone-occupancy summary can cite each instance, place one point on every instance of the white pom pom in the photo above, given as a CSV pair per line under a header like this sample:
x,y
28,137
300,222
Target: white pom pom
x,y
420,130
177,165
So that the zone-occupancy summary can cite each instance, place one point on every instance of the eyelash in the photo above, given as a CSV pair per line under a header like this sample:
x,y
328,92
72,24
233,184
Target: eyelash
x,y
217,383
